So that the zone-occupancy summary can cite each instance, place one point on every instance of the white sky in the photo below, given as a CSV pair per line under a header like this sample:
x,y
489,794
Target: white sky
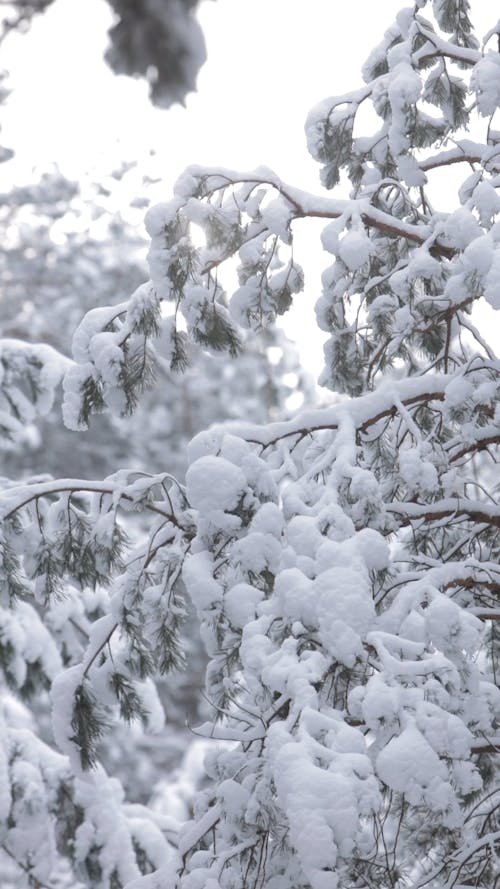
x,y
268,62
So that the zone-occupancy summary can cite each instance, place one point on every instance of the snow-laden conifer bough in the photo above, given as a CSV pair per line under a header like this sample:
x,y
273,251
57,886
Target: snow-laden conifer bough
x,y
344,564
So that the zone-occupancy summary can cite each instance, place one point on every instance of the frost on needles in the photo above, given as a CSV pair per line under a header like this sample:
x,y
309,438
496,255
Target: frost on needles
x,y
344,564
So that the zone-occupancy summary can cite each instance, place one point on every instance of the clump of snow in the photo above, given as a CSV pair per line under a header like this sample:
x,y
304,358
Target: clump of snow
x,y
268,520
160,215
322,804
410,172
458,391
303,535
345,611
257,552
445,732
373,549
418,473
487,202
330,234
451,628
240,603
355,249
377,703
142,300
295,597
203,589
423,265
478,255
62,695
461,228
73,386
276,215
409,765
207,442
214,485
485,80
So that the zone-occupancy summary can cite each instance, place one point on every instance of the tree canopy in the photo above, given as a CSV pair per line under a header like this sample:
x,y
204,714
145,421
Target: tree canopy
x,y
343,564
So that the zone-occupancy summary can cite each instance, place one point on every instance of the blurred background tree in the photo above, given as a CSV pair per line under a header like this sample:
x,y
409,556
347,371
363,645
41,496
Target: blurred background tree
x,y
159,40
70,247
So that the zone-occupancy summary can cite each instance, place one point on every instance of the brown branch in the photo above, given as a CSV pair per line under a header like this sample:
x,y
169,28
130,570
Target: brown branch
x,y
303,431
304,205
392,411
373,220
487,615
429,514
471,582
383,222
432,163
83,487
481,445
486,747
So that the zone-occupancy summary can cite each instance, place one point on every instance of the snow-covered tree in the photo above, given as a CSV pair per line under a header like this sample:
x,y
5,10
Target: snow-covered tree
x,y
343,564
68,248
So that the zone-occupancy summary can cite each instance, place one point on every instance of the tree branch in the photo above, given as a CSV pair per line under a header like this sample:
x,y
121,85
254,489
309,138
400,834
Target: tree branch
x,y
306,205
470,510
28,493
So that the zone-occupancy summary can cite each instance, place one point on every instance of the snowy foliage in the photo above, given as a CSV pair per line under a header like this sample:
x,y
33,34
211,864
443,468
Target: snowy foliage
x,y
344,564
67,249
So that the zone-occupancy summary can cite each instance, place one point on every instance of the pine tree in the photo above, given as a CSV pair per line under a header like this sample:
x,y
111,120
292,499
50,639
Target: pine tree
x,y
70,247
343,564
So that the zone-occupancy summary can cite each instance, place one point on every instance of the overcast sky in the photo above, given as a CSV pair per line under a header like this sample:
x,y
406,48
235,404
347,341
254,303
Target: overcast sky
x,y
268,62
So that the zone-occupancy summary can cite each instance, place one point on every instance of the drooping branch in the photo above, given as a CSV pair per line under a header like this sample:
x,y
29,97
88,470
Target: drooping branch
x,y
484,439
16,498
438,47
365,411
305,205
465,151
453,507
